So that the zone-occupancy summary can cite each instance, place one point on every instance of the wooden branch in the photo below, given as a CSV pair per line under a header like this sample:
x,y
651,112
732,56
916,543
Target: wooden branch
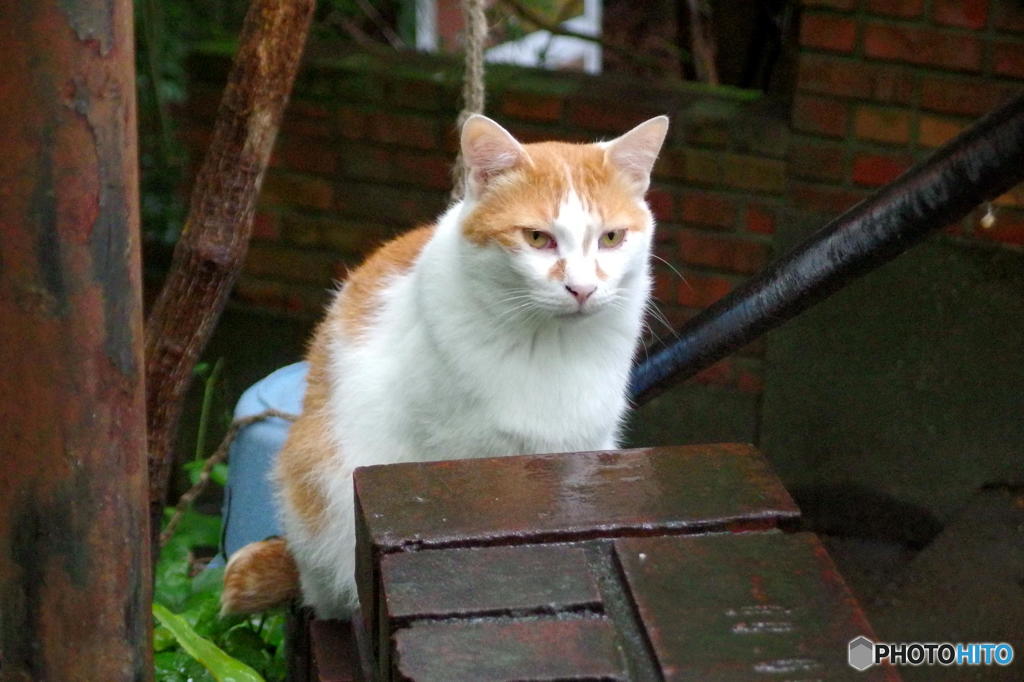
x,y
702,42
219,455
209,255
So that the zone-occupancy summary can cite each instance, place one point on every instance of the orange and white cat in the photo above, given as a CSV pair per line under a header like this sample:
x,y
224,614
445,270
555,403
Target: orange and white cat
x,y
508,327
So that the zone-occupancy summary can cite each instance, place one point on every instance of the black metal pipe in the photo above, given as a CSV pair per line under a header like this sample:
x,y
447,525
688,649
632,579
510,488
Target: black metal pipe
x,y
978,165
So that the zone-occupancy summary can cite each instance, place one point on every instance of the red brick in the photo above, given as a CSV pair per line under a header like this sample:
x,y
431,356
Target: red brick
x,y
937,131
301,229
1008,59
427,170
284,189
817,160
875,170
666,285
305,155
1008,228
738,171
661,203
306,118
265,226
964,96
707,209
405,130
820,115
1008,16
416,94
824,199
365,162
882,125
720,252
830,75
310,266
924,46
352,123
755,173
531,106
290,298
896,8
760,219
307,109
828,32
965,13
671,164
606,116
700,291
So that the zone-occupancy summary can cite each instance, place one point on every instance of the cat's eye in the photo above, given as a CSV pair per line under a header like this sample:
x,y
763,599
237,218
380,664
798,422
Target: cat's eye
x,y
539,239
611,239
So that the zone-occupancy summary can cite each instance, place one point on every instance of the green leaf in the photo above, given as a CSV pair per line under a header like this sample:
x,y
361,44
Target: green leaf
x,y
172,583
219,474
162,639
171,666
195,529
223,667
243,643
177,666
273,628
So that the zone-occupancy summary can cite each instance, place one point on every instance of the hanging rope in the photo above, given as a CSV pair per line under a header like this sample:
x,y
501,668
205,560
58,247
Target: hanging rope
x,y
473,79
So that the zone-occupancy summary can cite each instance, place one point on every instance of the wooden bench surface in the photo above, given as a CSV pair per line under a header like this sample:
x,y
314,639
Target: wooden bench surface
x,y
664,563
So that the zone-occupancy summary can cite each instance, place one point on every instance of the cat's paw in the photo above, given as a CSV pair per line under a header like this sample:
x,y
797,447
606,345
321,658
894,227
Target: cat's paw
x,y
259,576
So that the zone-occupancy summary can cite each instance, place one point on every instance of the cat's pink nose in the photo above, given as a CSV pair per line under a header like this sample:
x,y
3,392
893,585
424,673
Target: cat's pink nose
x,y
581,291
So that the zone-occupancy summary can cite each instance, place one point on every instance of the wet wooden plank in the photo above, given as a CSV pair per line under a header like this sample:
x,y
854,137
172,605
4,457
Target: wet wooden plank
x,y
542,649
552,498
333,651
510,500
487,581
744,606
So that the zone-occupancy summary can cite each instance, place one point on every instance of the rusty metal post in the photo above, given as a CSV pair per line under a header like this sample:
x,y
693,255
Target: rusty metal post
x,y
74,541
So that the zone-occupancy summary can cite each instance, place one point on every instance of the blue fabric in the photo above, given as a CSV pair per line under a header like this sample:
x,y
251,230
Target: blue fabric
x,y
249,511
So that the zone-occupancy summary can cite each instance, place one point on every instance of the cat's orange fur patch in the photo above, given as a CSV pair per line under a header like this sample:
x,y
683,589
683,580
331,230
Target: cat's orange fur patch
x,y
601,274
529,196
259,576
359,295
557,271
302,459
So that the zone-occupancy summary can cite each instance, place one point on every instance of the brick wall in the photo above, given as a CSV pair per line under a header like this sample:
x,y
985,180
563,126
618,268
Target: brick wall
x,y
366,149
367,144
883,82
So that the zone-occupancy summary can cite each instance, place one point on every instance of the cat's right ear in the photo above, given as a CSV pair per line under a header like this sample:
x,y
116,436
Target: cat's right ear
x,y
488,150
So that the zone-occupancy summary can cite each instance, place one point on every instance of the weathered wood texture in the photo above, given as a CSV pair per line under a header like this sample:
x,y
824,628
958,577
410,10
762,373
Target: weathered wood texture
x,y
209,255
658,564
74,552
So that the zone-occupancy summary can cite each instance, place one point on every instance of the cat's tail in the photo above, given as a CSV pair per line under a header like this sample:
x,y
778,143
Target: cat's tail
x,y
259,576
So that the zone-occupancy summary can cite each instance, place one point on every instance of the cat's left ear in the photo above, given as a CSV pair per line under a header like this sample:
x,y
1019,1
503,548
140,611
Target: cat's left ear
x,y
488,150
635,152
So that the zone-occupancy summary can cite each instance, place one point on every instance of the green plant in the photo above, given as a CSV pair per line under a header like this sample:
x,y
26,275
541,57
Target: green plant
x,y
191,640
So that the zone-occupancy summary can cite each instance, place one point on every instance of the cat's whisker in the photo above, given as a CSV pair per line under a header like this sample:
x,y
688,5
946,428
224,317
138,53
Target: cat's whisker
x,y
670,266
